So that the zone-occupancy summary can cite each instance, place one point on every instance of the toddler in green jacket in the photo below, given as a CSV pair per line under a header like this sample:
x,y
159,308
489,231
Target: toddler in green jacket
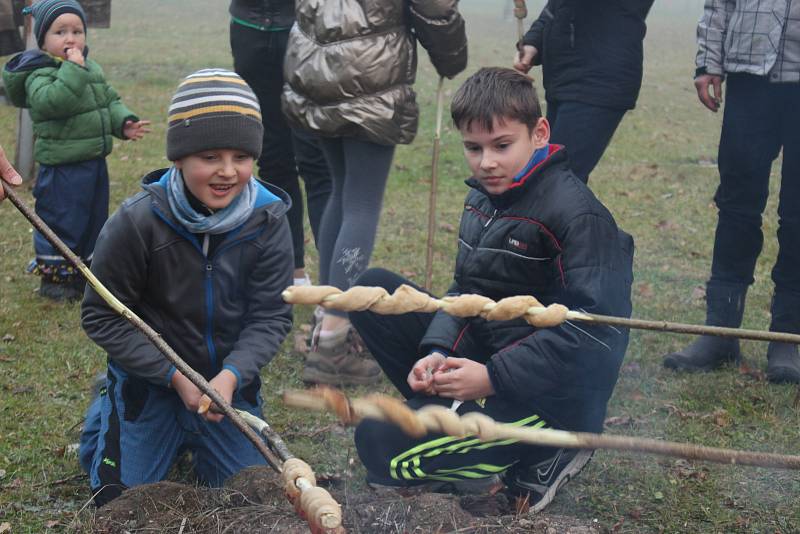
x,y
75,113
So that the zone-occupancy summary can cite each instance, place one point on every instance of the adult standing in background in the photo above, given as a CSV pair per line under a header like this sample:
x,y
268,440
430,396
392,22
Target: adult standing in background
x,y
754,45
349,69
591,55
259,32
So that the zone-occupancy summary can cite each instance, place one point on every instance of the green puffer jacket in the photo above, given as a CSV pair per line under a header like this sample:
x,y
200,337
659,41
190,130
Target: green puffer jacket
x,y
350,64
74,111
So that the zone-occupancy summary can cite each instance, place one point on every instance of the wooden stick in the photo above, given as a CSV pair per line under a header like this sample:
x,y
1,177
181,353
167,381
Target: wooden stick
x,y
662,326
136,321
486,429
434,185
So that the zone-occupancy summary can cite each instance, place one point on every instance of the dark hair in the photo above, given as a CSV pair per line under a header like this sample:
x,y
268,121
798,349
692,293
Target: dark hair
x,y
495,93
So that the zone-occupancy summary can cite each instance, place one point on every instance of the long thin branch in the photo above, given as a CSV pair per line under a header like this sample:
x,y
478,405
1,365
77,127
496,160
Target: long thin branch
x,y
435,418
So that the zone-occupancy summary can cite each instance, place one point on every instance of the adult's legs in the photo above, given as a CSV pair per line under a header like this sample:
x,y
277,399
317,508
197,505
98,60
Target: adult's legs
x,y
258,58
585,130
783,359
315,174
749,144
359,170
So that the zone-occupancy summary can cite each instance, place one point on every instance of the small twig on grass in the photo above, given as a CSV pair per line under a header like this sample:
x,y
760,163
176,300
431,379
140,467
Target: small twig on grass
x,y
71,478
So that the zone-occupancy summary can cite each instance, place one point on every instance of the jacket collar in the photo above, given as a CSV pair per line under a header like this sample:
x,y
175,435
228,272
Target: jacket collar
x,y
526,179
271,200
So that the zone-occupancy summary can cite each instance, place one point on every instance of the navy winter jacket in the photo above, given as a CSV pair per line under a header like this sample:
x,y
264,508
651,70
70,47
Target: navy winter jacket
x,y
549,237
591,51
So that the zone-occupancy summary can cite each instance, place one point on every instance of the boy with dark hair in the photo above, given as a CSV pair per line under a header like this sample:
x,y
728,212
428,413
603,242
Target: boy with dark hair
x,y
201,255
529,227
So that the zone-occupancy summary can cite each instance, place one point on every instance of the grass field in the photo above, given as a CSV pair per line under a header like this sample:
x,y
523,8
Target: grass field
x,y
657,178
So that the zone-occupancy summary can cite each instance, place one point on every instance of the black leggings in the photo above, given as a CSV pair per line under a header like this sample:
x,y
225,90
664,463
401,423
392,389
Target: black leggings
x,y
393,458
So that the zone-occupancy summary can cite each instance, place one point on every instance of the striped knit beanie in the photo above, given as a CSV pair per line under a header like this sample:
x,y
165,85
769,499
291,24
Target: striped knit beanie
x,y
45,12
212,109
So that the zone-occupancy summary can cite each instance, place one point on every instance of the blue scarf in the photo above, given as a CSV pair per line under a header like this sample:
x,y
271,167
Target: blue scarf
x,y
232,216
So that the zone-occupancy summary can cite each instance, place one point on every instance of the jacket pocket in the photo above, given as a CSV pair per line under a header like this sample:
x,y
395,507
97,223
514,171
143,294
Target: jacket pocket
x,y
135,393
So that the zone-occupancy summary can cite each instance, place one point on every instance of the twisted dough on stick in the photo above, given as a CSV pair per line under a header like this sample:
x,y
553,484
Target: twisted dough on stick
x,y
406,299
316,503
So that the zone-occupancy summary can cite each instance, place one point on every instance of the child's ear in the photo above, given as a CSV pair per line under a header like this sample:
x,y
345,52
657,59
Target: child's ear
x,y
541,133
178,164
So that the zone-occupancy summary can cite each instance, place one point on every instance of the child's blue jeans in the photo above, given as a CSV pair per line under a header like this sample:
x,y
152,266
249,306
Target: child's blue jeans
x,y
134,431
73,200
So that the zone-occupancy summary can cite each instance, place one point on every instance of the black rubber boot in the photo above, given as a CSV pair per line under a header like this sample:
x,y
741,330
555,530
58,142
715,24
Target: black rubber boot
x,y
783,359
724,307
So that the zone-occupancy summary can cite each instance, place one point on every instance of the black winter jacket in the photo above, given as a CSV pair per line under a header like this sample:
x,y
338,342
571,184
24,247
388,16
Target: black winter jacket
x,y
551,238
264,14
225,310
591,51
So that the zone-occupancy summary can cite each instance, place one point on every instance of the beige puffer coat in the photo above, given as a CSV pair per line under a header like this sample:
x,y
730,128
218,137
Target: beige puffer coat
x,y
350,64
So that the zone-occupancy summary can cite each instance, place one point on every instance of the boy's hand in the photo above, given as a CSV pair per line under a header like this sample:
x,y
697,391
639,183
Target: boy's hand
x,y
188,392
76,56
225,384
421,376
525,58
704,84
135,130
462,379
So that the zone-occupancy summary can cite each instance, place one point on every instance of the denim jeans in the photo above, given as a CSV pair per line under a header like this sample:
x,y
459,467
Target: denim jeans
x,y
258,58
585,130
760,119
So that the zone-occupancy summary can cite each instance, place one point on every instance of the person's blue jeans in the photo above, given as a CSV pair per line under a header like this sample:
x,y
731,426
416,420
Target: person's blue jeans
x,y
759,120
72,199
585,130
134,431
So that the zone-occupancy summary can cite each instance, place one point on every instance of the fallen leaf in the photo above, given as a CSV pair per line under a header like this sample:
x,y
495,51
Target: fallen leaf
x,y
698,292
8,338
5,527
645,290
619,420
2,473
4,358
667,226
618,525
635,514
522,505
447,227
408,274
752,372
300,345
52,523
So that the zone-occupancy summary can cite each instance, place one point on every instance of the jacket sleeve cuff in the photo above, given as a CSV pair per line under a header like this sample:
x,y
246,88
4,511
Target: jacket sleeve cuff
x,y
236,372
170,374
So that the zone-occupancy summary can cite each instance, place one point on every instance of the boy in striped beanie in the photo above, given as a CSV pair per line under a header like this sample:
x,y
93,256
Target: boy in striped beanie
x,y
202,255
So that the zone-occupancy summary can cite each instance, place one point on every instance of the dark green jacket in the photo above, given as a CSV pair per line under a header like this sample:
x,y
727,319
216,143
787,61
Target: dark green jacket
x,y
74,111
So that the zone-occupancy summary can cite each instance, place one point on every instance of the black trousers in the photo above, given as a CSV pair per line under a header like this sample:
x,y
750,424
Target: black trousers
x,y
393,458
258,58
760,119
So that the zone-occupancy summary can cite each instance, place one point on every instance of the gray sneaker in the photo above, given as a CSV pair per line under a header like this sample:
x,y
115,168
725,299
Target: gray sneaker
x,y
341,360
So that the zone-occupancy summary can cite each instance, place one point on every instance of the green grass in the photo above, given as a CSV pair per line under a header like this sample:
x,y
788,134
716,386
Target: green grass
x,y
650,179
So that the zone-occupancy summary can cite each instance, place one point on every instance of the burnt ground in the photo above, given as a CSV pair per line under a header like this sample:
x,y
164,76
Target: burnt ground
x,y
253,502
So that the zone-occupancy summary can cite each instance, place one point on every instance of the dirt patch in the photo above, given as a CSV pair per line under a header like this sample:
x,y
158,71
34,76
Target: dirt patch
x,y
253,502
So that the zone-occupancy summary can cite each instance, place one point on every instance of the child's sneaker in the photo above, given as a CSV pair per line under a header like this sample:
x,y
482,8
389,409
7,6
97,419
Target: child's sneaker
x,y
339,359
543,480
